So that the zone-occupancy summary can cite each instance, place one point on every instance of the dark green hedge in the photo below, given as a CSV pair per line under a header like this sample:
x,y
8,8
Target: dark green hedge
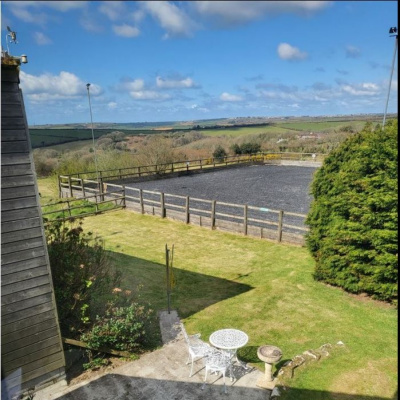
x,y
353,217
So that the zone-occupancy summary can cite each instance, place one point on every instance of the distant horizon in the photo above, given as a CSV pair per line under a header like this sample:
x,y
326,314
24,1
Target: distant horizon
x,y
220,118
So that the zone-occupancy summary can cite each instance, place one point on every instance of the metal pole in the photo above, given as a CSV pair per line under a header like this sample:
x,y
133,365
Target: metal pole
x,y
94,145
390,82
168,280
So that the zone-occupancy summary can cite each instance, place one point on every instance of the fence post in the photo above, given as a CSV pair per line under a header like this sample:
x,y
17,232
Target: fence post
x,y
69,208
245,220
59,187
213,204
187,219
141,200
201,163
162,204
138,169
280,223
97,206
70,186
101,189
123,198
83,188
120,174
172,167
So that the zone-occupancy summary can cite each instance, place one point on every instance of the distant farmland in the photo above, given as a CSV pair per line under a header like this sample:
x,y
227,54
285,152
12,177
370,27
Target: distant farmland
x,y
61,134
51,137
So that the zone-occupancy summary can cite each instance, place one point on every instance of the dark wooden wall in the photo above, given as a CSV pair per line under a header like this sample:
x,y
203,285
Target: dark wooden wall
x,y
31,348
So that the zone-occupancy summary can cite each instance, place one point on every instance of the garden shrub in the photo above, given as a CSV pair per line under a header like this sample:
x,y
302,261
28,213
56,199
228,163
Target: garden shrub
x,y
219,153
246,148
353,217
82,276
121,328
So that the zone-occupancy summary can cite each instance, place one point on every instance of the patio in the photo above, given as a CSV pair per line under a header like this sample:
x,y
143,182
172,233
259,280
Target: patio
x,y
161,375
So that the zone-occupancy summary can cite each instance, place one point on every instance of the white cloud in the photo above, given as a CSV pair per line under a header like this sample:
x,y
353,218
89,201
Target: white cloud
x,y
362,89
135,85
126,30
89,23
23,9
170,17
352,52
175,84
112,105
148,95
113,9
63,86
230,97
41,39
288,52
59,5
138,16
239,12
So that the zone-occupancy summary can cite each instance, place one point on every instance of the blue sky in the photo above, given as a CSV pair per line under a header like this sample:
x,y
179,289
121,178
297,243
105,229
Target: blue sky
x,y
189,60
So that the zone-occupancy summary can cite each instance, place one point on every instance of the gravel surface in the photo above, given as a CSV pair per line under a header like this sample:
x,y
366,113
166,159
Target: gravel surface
x,y
275,187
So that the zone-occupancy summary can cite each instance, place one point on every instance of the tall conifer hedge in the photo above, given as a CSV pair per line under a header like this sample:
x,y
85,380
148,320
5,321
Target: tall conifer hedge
x,y
353,217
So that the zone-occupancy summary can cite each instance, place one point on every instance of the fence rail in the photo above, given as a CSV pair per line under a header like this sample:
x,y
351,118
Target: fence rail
x,y
244,219
250,220
191,165
116,199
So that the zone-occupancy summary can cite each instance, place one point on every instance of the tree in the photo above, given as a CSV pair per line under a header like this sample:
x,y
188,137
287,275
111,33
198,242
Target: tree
x,y
219,153
353,217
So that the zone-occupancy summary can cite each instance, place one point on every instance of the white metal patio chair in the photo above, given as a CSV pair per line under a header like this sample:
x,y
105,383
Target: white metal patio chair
x,y
218,361
197,348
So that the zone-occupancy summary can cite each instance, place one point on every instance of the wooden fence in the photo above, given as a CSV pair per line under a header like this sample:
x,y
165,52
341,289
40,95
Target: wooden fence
x,y
69,210
249,220
191,165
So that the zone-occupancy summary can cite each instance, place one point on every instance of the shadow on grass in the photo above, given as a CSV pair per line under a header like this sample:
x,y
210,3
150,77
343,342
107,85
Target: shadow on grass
x,y
304,394
191,293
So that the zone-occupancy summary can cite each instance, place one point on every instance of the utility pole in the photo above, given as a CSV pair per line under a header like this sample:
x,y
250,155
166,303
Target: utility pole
x,y
392,32
94,145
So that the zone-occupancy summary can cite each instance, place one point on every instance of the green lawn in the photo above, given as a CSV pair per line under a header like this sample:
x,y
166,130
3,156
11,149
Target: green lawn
x,y
265,289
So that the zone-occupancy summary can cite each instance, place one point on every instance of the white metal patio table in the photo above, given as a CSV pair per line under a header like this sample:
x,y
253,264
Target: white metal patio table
x,y
230,340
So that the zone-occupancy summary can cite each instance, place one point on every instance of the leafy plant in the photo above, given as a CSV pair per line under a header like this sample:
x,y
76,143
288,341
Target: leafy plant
x,y
246,148
82,276
219,153
121,328
353,218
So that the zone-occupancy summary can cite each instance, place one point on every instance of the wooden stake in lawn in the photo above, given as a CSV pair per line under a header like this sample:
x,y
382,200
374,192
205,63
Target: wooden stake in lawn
x,y
169,258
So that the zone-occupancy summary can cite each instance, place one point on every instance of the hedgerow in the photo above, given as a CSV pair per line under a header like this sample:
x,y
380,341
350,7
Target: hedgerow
x,y
353,218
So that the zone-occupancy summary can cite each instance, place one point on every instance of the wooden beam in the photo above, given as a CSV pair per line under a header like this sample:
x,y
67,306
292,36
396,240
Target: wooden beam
x,y
103,349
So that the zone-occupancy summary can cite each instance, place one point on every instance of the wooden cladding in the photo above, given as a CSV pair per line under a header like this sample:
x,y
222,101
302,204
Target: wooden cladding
x,y
31,350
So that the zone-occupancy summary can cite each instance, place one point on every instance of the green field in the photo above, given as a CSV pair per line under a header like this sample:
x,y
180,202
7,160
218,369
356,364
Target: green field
x,y
324,126
51,137
263,288
243,131
60,134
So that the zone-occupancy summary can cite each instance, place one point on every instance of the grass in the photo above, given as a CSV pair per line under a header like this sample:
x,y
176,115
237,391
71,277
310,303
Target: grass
x,y
265,289
59,207
243,131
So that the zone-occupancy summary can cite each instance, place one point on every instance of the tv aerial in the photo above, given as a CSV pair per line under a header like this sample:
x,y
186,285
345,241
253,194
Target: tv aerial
x,y
11,37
